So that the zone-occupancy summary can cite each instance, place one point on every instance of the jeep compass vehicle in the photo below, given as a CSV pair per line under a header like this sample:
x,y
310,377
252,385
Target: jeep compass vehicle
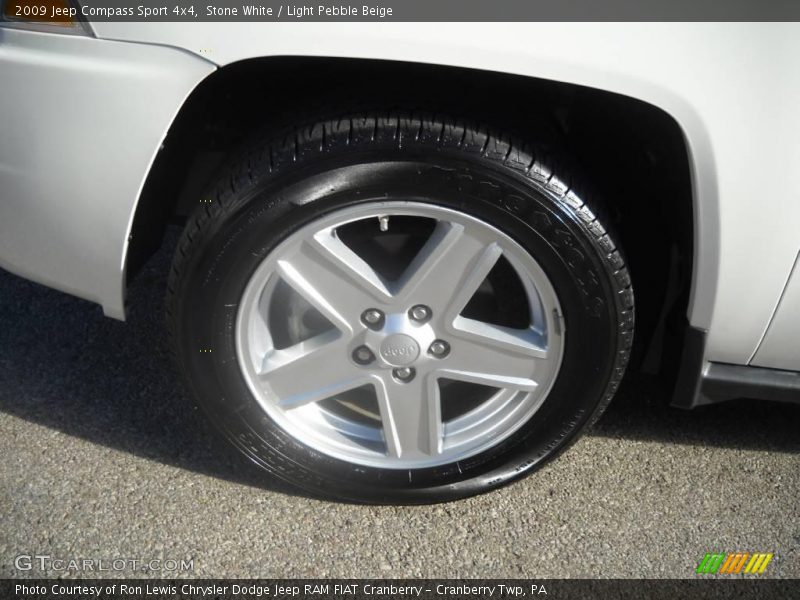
x,y
417,259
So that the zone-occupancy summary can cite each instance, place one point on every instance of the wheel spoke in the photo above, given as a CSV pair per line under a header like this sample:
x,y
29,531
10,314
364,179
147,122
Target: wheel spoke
x,y
449,268
310,371
333,279
497,356
411,415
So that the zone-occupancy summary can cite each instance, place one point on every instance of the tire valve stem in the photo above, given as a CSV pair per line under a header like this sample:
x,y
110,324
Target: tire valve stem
x,y
384,223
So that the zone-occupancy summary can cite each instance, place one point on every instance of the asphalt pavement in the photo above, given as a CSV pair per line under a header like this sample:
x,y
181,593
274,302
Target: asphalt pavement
x,y
103,458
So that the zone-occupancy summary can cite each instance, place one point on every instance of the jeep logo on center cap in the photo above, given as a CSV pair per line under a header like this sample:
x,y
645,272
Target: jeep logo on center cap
x,y
399,350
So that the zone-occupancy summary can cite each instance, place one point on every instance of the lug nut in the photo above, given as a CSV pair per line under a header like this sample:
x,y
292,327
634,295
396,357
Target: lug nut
x,y
439,348
372,317
363,355
404,374
420,313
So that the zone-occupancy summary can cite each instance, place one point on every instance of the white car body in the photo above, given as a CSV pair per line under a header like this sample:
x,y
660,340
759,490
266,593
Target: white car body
x,y
84,118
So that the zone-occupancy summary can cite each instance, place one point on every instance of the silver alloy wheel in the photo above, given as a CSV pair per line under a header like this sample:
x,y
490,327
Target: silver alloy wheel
x,y
310,383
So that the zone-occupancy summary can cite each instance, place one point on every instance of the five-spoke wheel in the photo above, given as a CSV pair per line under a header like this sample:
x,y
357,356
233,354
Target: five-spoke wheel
x,y
395,308
368,381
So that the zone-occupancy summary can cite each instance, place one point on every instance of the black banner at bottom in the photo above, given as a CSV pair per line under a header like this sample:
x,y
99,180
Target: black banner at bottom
x,y
385,589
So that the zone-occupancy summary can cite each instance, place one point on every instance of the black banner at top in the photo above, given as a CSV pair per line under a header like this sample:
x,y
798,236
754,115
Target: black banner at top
x,y
419,10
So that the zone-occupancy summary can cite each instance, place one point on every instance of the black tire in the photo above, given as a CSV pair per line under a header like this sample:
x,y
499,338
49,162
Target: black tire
x,y
440,160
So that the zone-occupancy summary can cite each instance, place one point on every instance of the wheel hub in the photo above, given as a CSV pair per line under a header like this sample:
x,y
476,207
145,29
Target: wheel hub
x,y
399,350
399,341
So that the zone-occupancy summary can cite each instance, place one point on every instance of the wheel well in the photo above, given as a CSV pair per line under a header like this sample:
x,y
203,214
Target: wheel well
x,y
632,153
